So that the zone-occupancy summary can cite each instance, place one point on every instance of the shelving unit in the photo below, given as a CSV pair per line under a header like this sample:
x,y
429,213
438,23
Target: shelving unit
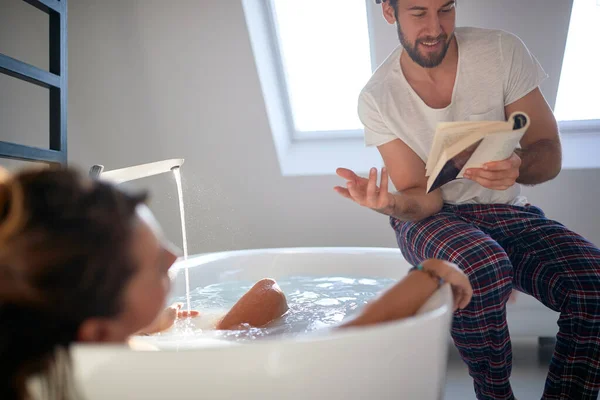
x,y
55,80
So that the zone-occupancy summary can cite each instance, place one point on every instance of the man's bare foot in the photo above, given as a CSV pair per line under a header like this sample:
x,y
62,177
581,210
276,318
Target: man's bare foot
x,y
263,303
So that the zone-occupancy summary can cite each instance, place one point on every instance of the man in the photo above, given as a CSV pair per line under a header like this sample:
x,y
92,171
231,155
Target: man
x,y
482,224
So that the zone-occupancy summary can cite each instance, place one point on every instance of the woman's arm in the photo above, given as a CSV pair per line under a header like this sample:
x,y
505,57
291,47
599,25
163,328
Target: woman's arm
x,y
406,297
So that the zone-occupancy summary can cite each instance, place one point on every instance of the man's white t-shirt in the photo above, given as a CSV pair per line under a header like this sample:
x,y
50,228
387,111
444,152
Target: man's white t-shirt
x,y
495,69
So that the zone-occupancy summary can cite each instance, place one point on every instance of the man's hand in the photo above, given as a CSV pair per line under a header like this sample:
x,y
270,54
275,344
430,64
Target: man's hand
x,y
365,192
498,175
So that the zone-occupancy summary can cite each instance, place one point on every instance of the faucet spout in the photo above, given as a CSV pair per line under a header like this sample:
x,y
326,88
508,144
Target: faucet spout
x,y
135,172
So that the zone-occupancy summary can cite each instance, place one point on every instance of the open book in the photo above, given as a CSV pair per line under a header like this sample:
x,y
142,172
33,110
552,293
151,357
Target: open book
x,y
458,146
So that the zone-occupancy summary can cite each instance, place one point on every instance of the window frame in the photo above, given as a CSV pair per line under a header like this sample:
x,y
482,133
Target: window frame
x,y
583,126
320,153
580,126
321,135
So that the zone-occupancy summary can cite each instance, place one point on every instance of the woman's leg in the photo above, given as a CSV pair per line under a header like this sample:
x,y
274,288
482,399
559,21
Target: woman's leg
x,y
263,303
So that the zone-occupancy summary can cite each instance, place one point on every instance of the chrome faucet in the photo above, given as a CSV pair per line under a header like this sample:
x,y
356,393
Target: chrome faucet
x,y
135,172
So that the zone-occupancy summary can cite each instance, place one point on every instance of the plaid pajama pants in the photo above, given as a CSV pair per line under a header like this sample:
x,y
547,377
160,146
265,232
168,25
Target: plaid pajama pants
x,y
500,247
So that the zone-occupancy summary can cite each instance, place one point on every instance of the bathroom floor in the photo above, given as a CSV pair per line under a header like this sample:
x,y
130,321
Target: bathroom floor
x,y
528,374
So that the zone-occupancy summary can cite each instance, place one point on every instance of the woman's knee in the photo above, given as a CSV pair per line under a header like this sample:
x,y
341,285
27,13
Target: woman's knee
x,y
262,304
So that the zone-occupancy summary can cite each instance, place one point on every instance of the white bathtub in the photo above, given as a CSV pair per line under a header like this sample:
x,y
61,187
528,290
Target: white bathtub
x,y
400,360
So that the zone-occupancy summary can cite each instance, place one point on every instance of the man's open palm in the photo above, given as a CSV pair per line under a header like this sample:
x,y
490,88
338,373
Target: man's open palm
x,y
365,192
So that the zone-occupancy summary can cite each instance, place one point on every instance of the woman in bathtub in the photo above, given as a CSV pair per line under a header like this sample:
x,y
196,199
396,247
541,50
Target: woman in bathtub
x,y
83,261
265,302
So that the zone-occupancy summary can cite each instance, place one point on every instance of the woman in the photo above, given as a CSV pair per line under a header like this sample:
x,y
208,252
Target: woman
x,y
83,261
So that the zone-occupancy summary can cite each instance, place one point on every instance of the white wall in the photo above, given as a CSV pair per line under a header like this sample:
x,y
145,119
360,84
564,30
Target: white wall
x,y
152,79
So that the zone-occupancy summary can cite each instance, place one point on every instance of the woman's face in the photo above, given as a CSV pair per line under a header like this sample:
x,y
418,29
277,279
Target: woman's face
x,y
146,292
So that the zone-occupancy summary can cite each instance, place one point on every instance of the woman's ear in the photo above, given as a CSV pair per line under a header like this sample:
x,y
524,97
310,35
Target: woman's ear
x,y
100,330
4,174
4,186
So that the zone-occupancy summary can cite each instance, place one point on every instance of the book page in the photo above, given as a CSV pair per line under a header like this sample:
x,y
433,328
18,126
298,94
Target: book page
x,y
442,141
463,145
452,167
449,133
495,147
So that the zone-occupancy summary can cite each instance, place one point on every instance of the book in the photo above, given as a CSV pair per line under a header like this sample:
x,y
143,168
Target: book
x,y
458,146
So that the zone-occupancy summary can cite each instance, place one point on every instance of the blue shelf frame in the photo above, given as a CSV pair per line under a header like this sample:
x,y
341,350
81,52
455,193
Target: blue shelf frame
x,y
55,80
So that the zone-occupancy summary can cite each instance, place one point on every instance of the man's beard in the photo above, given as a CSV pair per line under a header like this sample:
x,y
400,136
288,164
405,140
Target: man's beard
x,y
425,61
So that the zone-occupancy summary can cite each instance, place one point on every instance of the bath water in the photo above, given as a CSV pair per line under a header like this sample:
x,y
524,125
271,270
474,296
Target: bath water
x,y
314,303
177,174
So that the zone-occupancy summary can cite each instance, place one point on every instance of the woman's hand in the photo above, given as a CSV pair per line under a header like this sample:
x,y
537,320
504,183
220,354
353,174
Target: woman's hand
x,y
167,318
461,287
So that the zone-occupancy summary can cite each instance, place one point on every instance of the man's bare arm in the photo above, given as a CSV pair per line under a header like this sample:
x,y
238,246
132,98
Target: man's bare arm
x,y
540,153
407,172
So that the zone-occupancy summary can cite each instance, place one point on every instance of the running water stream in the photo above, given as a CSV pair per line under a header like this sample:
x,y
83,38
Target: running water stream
x,y
177,173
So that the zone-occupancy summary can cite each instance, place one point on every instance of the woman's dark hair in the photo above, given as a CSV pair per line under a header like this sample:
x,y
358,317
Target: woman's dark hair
x,y
64,257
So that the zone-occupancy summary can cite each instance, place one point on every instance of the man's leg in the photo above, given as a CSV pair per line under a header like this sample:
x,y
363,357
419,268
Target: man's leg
x,y
480,332
562,270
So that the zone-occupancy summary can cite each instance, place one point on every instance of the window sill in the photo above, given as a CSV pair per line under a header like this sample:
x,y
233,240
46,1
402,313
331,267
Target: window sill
x,y
580,150
324,157
311,158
